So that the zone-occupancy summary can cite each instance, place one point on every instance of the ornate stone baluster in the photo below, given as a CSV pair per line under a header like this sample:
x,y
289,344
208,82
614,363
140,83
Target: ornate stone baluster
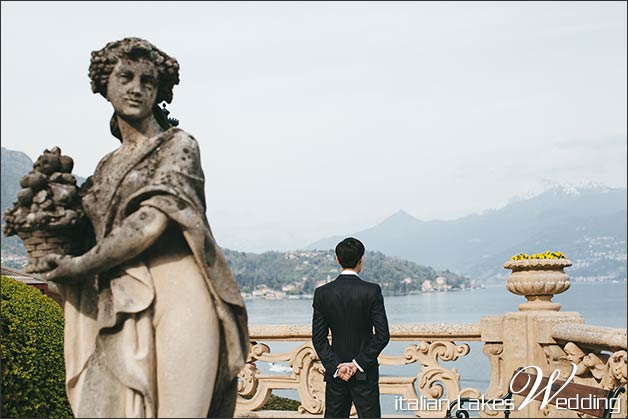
x,y
308,372
497,387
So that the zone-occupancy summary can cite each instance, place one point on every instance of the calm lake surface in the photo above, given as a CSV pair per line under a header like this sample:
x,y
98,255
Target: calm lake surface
x,y
600,304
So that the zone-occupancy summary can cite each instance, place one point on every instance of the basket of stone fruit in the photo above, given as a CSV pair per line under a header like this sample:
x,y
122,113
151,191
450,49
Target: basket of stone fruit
x,y
47,215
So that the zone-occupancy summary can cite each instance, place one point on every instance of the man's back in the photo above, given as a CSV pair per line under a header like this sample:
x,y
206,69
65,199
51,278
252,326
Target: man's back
x,y
347,303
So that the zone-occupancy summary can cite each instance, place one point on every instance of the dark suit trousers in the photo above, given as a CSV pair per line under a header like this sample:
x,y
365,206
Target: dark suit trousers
x,y
364,394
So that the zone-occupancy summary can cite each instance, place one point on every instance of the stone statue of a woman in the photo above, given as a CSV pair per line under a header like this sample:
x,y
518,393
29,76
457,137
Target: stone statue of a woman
x,y
155,324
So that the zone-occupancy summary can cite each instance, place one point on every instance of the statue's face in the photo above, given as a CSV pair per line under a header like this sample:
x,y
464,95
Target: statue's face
x,y
132,89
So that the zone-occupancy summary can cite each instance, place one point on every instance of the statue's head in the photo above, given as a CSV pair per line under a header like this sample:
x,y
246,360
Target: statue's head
x,y
133,49
163,70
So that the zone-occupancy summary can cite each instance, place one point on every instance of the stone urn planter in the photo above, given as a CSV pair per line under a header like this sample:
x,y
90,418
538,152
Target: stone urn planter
x,y
538,280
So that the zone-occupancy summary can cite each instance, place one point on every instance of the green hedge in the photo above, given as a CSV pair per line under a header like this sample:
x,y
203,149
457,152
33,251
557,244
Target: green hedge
x,y
280,403
33,370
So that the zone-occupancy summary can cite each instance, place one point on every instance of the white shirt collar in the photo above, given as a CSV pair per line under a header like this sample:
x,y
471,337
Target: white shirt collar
x,y
348,272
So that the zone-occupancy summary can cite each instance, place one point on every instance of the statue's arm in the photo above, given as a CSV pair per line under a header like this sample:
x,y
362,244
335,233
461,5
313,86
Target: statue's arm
x,y
136,234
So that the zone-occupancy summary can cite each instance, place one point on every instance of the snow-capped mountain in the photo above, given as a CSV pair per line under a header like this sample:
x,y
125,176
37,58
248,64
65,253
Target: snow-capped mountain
x,y
586,222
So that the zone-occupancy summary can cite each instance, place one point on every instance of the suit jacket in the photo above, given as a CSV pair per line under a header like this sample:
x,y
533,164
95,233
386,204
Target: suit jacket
x,y
350,308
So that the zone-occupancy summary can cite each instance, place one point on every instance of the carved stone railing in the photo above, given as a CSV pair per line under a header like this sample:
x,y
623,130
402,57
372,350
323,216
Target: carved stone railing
x,y
537,334
599,354
430,344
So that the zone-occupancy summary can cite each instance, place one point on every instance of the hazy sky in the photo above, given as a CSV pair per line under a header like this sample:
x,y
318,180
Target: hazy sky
x,y
317,119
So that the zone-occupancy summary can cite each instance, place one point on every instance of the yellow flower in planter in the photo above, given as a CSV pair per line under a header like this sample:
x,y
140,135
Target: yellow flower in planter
x,y
546,255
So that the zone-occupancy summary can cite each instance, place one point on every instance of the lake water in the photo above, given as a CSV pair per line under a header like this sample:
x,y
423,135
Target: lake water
x,y
600,304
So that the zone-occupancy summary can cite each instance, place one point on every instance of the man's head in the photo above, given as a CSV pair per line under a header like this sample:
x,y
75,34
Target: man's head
x,y
349,254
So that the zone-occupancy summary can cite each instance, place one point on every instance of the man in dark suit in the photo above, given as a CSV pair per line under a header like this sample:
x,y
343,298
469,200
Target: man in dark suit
x,y
351,309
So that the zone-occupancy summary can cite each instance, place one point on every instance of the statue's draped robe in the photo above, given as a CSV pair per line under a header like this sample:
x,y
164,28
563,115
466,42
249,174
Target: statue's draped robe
x,y
109,336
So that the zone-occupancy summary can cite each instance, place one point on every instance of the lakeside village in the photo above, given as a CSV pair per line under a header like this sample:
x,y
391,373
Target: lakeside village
x,y
295,275
293,291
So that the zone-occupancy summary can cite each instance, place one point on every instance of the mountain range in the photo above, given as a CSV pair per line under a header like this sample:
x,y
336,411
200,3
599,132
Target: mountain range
x,y
15,164
587,223
296,272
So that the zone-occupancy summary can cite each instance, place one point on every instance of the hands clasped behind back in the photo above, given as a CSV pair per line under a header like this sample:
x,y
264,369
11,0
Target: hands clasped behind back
x,y
346,370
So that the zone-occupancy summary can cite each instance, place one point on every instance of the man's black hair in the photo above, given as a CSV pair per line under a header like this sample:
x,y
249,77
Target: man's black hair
x,y
349,252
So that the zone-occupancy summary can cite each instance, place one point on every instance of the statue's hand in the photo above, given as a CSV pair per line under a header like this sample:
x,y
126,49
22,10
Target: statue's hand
x,y
62,269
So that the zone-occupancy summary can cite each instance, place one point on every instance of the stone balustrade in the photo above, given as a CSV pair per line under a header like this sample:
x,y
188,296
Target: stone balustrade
x,y
432,343
592,336
598,353
537,334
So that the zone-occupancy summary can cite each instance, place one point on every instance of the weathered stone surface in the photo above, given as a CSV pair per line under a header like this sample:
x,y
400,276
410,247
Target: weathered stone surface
x,y
596,336
48,207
